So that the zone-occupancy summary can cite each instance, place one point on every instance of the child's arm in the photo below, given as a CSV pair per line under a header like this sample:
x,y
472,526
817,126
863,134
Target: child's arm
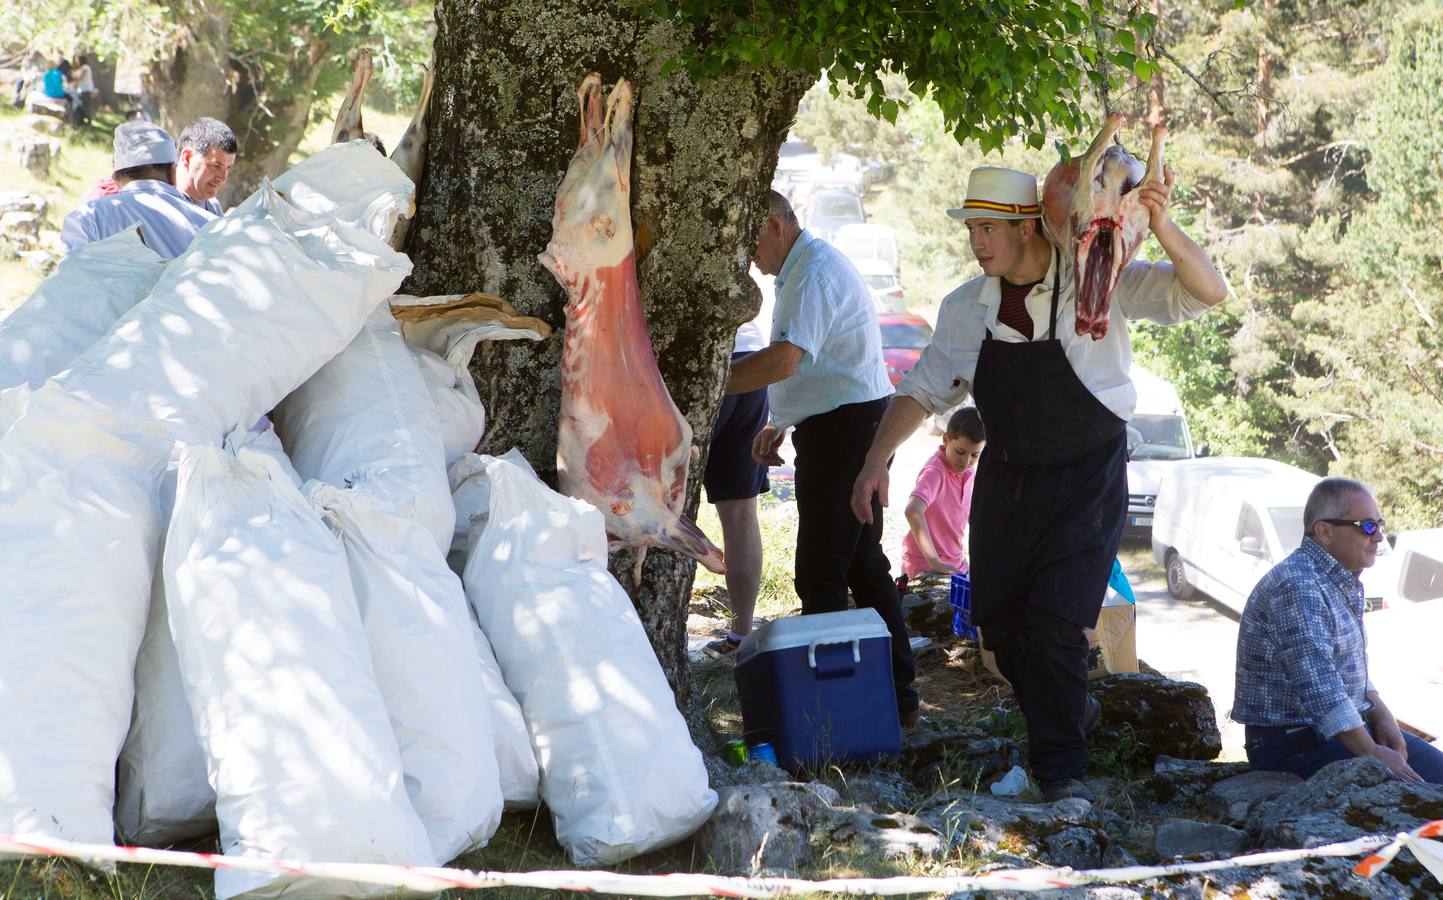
x,y
917,521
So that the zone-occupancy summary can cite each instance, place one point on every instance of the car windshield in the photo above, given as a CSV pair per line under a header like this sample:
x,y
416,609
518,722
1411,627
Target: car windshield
x,y
835,207
880,281
905,336
1163,437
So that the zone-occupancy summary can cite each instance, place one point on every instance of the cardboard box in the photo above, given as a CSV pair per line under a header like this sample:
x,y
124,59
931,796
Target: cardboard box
x,y
1113,641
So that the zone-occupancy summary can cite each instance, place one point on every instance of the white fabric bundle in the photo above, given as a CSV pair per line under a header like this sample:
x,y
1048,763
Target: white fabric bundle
x,y
366,418
618,768
458,405
416,621
162,792
254,308
350,182
279,679
75,307
515,758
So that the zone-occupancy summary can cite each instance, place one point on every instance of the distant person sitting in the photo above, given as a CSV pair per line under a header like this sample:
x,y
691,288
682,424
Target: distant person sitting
x,y
53,87
30,77
1302,674
207,152
145,159
938,507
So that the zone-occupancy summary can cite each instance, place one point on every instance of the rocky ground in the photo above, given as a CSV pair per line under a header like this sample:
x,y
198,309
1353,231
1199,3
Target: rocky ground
x,y
1160,797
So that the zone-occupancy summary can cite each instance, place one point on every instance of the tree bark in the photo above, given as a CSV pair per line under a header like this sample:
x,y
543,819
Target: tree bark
x,y
194,81
503,128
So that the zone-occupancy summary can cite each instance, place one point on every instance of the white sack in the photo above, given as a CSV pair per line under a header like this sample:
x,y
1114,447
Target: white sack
x,y
251,310
515,758
458,405
75,307
618,768
258,303
417,621
162,792
366,418
279,679
350,182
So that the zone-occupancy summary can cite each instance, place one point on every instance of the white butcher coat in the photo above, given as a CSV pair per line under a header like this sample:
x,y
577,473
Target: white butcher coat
x,y
942,377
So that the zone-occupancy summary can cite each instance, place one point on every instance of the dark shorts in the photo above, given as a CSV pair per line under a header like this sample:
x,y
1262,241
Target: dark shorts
x,y
731,474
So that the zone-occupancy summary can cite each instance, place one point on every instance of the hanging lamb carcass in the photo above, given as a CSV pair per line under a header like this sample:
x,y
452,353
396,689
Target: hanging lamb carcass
x,y
623,445
1092,211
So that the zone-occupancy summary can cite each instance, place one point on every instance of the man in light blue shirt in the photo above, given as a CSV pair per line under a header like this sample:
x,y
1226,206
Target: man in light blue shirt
x,y
827,379
145,158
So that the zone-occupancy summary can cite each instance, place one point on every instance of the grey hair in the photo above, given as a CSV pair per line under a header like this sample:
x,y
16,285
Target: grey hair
x,y
206,134
778,206
1329,500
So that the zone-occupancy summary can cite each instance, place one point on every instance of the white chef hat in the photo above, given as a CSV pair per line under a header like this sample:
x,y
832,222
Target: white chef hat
x,y
142,144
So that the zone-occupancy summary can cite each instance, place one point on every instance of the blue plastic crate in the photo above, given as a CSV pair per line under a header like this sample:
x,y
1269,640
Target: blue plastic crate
x,y
961,598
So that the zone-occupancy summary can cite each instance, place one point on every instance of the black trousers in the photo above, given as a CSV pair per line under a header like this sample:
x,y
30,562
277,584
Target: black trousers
x,y
1044,656
835,552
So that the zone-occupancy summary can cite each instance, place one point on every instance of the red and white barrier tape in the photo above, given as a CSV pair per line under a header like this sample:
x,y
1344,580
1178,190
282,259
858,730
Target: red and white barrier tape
x,y
1381,850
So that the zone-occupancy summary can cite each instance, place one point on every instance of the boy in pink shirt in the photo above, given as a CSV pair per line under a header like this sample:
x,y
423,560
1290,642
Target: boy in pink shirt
x,y
937,510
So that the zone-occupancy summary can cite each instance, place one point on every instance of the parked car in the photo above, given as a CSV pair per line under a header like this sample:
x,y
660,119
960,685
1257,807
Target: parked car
x,y
829,210
1220,524
1420,567
904,337
1405,665
1160,421
884,284
859,241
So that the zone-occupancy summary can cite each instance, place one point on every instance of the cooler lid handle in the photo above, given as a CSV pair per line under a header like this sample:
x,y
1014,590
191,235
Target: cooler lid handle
x,y
812,650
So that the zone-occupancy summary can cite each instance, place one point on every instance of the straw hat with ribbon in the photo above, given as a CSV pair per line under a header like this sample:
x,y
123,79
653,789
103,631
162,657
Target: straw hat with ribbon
x,y
996,193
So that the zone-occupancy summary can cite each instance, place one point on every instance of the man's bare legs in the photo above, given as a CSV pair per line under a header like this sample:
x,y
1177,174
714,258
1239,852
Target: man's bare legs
x,y
742,543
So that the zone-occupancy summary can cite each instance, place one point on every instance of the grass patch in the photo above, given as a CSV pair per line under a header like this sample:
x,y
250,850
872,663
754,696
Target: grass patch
x,y
85,157
777,595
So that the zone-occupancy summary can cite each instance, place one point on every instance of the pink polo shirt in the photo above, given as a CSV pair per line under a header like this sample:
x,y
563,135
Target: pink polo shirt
x,y
948,495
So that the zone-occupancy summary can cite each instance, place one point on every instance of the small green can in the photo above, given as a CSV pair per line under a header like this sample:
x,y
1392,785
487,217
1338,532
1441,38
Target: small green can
x,y
736,753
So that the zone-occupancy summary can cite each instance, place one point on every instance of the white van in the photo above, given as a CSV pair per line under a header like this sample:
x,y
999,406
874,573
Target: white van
x,y
1162,424
1420,566
1220,524
860,241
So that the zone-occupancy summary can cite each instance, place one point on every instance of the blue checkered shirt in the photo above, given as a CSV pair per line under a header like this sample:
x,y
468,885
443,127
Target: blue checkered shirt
x,y
1302,655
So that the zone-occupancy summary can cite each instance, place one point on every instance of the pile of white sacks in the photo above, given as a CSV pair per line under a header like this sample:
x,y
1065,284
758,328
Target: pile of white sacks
x,y
259,622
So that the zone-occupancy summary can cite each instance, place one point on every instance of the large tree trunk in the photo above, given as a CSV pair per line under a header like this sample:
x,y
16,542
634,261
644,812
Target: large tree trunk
x,y
203,78
503,128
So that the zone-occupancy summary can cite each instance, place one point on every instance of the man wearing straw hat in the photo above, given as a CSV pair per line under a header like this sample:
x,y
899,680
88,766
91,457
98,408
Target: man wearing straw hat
x,y
145,158
1050,495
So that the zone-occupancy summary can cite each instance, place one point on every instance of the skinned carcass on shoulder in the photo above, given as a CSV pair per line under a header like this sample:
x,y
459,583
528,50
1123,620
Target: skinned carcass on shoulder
x,y
1092,211
623,445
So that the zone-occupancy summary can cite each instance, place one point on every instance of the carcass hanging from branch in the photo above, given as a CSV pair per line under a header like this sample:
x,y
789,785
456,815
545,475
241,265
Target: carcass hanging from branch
x,y
623,445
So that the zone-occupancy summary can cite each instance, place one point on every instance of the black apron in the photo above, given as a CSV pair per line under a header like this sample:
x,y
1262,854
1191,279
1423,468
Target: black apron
x,y
1050,494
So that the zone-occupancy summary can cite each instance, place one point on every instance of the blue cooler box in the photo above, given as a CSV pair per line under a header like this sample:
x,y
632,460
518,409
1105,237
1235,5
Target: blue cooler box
x,y
819,689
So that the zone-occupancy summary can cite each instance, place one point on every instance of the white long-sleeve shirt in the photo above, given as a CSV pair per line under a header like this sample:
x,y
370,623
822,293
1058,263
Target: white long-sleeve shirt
x,y
942,377
168,219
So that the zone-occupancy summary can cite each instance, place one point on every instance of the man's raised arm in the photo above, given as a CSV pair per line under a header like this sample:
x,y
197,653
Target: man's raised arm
x,y
902,417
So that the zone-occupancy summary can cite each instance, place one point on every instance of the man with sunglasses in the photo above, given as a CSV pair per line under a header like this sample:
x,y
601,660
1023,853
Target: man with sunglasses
x,y
1302,678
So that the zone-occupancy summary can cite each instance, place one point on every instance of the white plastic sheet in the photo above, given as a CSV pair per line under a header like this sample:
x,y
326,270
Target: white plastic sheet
x,y
618,768
367,418
163,795
75,307
417,621
515,758
458,405
279,679
350,182
256,305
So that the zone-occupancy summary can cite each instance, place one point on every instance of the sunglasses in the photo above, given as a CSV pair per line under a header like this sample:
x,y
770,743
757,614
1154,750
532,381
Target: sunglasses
x,y
1369,527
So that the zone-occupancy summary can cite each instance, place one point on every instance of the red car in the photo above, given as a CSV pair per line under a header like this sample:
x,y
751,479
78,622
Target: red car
x,y
903,338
